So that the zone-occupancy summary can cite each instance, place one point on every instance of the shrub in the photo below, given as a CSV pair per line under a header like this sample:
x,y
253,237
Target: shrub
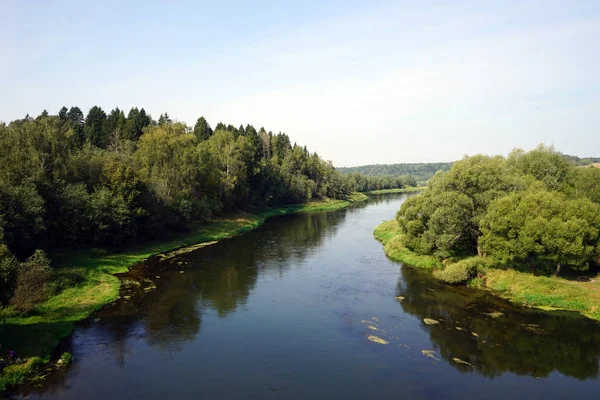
x,y
8,273
66,359
32,279
462,270
17,373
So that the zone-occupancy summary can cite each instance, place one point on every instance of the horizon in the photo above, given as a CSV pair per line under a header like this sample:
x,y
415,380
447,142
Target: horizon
x,y
381,83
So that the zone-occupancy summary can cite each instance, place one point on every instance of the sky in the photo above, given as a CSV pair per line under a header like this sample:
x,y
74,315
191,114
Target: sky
x,y
359,82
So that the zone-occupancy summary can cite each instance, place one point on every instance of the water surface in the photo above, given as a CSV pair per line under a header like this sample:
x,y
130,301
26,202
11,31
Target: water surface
x,y
289,311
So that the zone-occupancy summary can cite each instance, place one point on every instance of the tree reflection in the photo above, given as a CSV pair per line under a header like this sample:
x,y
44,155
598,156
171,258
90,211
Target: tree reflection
x,y
521,341
220,277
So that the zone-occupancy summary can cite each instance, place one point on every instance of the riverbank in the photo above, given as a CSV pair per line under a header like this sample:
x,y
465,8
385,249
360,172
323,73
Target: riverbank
x,y
35,335
401,190
548,293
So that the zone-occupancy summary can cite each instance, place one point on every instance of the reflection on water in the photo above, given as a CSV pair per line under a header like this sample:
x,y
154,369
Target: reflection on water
x,y
305,307
169,296
495,337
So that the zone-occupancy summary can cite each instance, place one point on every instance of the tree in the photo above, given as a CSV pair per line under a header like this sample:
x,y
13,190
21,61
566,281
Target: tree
x,y
446,219
584,182
62,114
164,119
202,129
542,229
230,157
115,121
75,117
137,120
94,128
22,211
8,270
32,278
544,163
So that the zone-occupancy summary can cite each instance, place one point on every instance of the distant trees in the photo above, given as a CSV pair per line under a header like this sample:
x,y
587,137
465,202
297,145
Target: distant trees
x,y
420,172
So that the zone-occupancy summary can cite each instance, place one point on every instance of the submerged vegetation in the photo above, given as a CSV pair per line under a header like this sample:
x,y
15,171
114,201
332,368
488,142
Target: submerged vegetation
x,y
506,224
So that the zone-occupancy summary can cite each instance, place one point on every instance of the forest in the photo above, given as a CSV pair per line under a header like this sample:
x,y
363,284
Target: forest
x,y
536,211
419,172
106,180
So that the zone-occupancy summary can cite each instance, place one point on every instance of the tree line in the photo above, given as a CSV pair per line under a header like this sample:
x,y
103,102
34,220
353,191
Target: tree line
x,y
535,210
419,172
108,179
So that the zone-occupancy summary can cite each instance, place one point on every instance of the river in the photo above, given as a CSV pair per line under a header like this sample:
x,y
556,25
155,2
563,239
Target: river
x,y
290,311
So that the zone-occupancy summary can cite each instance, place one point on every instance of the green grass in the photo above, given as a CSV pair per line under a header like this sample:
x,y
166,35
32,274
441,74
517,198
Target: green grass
x,y
36,334
548,293
19,373
389,234
402,190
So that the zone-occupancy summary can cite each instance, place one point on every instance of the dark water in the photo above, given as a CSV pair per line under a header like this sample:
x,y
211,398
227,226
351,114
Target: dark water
x,y
285,312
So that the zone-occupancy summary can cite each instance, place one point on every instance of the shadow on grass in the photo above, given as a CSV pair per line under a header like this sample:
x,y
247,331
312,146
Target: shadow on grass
x,y
36,339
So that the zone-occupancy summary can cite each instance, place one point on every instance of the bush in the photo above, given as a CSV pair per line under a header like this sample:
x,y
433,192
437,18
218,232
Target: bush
x,y
9,267
32,279
462,271
66,359
17,373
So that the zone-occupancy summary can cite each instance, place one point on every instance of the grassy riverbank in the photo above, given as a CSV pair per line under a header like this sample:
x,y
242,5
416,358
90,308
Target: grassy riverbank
x,y
401,190
35,335
549,293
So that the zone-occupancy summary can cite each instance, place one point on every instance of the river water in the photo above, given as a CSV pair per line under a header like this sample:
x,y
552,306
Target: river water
x,y
290,311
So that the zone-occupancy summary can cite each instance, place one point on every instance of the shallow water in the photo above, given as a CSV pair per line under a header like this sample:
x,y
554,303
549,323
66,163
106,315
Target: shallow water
x,y
304,308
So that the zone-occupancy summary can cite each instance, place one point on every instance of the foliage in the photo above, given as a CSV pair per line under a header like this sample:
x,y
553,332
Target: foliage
x,y
462,270
32,278
15,374
532,209
420,172
444,220
66,359
543,163
542,229
390,234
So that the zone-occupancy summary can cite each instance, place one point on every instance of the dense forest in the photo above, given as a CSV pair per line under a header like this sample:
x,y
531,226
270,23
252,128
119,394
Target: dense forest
x,y
105,180
535,211
419,172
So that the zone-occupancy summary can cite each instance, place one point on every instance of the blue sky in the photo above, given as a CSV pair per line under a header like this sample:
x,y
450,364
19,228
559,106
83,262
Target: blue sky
x,y
358,82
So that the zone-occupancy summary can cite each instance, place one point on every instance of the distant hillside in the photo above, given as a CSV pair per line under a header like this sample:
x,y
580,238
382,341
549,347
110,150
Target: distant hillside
x,y
583,161
420,171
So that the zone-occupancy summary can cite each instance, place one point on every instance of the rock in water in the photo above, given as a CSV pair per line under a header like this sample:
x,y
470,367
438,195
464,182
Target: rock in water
x,y
430,354
376,339
430,321
459,361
